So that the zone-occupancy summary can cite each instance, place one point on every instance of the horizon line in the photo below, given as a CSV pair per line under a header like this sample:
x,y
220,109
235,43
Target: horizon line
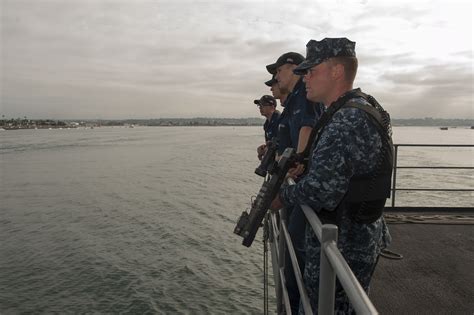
x,y
203,117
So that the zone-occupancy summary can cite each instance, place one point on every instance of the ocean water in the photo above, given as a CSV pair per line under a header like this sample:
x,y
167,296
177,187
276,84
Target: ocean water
x,y
140,221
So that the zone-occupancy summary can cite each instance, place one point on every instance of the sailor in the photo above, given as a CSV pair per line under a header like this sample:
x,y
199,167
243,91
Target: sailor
x,y
283,137
277,93
301,112
297,121
282,140
267,106
348,178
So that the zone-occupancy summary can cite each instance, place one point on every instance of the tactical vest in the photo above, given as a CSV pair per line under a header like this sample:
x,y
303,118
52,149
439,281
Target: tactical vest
x,y
367,193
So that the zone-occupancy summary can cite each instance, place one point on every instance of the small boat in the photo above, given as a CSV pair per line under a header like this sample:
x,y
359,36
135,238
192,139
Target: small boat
x,y
443,128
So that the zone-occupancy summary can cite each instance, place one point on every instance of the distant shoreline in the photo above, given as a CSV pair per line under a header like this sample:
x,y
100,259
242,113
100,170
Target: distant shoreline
x,y
46,124
93,125
259,122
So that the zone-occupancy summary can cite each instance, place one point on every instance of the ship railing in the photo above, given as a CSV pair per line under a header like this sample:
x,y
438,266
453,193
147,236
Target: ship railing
x,y
332,264
397,167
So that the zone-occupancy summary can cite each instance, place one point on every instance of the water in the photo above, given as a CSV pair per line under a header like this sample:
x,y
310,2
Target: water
x,y
435,156
121,220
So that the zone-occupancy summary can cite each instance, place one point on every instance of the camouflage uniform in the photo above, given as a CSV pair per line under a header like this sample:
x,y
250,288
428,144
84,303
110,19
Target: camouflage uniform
x,y
346,145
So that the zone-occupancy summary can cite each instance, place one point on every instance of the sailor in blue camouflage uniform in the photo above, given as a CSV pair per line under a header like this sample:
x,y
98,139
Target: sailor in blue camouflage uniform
x,y
349,167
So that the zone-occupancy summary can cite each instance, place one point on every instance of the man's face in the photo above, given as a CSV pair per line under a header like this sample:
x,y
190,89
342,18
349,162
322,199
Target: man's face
x,y
318,82
265,110
284,76
275,91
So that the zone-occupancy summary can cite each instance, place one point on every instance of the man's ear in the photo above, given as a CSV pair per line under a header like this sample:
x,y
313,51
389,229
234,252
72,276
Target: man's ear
x,y
337,71
292,67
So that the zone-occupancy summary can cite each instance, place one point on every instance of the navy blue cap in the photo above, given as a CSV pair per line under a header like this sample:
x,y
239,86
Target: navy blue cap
x,y
290,57
266,100
320,51
271,82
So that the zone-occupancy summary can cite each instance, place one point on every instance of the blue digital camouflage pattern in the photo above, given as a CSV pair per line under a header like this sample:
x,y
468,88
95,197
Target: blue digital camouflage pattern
x,y
319,51
348,146
271,126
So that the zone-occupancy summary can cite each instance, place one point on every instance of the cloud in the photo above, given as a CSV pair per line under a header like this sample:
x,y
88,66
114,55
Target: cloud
x,y
185,58
439,91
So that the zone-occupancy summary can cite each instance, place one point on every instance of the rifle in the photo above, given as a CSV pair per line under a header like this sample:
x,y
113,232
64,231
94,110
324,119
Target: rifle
x,y
268,159
249,223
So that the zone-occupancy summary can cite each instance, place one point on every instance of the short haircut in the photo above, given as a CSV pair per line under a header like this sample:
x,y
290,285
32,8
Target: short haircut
x,y
350,66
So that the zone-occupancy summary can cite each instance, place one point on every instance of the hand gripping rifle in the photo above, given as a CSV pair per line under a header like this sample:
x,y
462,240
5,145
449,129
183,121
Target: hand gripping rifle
x,y
249,223
268,159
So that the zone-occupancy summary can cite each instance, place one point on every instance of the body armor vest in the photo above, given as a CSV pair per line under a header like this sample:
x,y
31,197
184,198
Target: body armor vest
x,y
367,193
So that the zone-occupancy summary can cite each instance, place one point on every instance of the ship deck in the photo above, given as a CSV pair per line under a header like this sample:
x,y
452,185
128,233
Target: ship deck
x,y
436,274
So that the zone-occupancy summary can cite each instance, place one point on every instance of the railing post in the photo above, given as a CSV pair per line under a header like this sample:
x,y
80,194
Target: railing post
x,y
327,275
273,236
394,179
282,256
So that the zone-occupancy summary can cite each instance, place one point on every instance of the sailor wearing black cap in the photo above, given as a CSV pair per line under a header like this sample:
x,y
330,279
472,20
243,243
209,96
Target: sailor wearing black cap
x,y
283,136
267,105
301,113
297,121
349,172
273,124
278,93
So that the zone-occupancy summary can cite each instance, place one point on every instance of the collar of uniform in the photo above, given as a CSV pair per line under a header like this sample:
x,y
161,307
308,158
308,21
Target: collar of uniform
x,y
273,118
296,90
298,87
350,91
345,93
275,115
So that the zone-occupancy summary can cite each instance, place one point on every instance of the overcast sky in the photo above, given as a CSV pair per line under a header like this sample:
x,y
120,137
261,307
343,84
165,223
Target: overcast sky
x,y
153,59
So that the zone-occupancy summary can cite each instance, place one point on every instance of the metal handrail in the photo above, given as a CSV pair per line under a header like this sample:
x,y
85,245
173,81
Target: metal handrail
x,y
296,269
332,264
327,236
394,188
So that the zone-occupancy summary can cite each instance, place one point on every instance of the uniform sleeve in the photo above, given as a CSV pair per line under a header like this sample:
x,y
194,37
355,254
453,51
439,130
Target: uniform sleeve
x,y
308,114
333,161
284,138
274,127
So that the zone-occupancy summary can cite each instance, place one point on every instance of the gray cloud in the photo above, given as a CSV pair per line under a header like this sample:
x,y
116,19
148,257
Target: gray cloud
x,y
88,59
430,91
408,12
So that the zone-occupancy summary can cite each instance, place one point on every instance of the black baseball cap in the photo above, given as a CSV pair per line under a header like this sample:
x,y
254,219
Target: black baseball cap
x,y
271,82
290,57
266,100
